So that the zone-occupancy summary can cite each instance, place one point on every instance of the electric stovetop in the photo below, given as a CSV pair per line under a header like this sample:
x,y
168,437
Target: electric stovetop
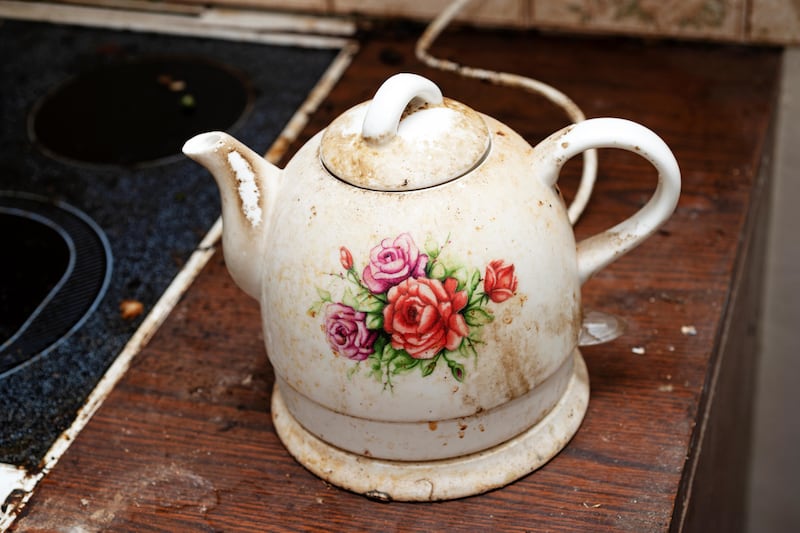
x,y
98,209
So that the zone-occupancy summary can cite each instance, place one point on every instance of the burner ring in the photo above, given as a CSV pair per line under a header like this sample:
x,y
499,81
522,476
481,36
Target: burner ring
x,y
74,295
138,112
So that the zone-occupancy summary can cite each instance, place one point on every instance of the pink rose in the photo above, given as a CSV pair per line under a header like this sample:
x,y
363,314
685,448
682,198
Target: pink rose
x,y
422,316
392,262
500,282
347,332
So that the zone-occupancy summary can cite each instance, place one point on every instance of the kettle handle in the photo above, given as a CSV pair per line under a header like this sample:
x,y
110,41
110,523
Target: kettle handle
x,y
598,251
390,101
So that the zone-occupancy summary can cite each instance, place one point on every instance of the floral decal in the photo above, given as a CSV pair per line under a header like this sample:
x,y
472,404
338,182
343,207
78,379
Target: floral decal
x,y
407,309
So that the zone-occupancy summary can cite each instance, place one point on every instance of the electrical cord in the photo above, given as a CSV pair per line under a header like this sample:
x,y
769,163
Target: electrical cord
x,y
549,92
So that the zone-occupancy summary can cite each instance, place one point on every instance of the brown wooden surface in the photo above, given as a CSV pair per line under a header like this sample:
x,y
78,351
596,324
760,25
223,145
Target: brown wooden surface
x,y
712,498
185,441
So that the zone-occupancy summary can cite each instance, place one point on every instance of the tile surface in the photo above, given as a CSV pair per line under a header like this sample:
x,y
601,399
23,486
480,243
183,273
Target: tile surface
x,y
285,5
691,18
775,21
487,12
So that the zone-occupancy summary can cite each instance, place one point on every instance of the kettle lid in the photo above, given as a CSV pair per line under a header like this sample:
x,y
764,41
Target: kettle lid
x,y
407,137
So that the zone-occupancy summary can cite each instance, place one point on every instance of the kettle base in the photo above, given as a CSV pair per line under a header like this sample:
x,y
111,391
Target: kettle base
x,y
446,479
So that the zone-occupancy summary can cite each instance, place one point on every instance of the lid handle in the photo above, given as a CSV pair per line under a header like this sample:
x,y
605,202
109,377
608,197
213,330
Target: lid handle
x,y
386,109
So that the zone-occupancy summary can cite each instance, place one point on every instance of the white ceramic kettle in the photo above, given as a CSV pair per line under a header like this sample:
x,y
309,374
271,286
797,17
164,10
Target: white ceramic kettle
x,y
420,287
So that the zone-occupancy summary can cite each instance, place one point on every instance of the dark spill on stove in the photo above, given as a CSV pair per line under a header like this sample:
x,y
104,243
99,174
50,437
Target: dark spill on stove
x,y
152,205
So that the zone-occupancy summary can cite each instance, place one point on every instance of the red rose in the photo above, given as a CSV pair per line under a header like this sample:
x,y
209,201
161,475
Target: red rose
x,y
422,316
346,258
500,283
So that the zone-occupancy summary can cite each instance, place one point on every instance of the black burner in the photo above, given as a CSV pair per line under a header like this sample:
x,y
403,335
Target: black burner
x,y
38,258
140,110
56,272
154,216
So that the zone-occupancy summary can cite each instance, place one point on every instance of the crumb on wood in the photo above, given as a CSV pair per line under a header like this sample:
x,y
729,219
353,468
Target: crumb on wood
x,y
689,330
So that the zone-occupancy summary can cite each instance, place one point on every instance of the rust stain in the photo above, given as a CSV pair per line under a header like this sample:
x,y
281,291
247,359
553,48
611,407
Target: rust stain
x,y
516,381
433,426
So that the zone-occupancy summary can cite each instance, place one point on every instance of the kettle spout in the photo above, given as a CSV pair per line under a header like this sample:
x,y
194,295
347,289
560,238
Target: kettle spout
x,y
247,184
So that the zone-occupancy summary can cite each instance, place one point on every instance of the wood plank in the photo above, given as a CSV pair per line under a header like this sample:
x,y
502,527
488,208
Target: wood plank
x,y
186,443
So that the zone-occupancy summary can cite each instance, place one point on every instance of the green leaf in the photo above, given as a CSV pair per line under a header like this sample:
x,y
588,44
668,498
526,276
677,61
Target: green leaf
x,y
431,248
462,275
324,295
476,299
467,349
381,298
367,303
380,343
477,317
437,271
374,321
349,299
429,366
390,353
315,309
474,280
402,363
374,366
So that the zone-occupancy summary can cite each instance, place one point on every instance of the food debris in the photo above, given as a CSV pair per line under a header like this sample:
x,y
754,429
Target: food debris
x,y
689,330
592,506
130,309
188,101
177,86
638,350
174,85
666,388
